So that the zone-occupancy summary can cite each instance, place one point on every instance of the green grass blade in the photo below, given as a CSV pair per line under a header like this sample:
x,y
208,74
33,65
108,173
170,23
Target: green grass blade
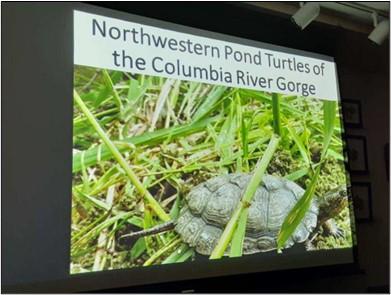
x,y
276,114
164,94
297,213
117,155
255,180
244,130
226,138
149,138
94,232
210,102
334,154
162,251
175,255
266,98
329,113
81,233
297,174
98,203
110,85
135,90
185,256
238,237
104,181
296,138
148,222
138,248
174,212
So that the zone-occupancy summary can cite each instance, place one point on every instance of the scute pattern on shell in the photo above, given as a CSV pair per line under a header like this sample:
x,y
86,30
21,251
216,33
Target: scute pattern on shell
x,y
209,206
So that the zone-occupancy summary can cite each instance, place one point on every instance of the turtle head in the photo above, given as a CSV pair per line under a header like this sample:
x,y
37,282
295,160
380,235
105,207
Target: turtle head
x,y
333,202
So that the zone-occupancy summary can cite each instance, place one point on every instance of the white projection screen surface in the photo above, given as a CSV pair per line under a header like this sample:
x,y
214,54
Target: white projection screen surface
x,y
189,148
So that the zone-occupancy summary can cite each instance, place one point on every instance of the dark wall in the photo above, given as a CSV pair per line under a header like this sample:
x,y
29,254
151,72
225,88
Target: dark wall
x,y
372,89
363,70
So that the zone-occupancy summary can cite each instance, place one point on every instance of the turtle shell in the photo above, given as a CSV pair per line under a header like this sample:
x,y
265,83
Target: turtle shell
x,y
208,208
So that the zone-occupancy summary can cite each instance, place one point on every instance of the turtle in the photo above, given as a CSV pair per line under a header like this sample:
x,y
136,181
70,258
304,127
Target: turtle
x,y
209,205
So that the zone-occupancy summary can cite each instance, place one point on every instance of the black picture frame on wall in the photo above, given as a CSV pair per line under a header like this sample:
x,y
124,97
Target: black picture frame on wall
x,y
356,146
362,201
352,115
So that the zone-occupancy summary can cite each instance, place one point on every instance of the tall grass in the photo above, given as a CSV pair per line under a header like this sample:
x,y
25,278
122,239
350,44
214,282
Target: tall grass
x,y
298,212
236,226
117,155
137,136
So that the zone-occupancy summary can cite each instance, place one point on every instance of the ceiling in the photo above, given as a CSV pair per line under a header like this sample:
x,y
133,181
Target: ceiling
x,y
359,11
383,5
350,15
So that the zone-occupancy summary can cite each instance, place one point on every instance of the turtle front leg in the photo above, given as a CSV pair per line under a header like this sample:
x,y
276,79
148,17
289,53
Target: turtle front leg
x,y
309,246
330,228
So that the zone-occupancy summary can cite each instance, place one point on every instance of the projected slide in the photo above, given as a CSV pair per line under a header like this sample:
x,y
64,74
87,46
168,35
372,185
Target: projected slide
x,y
187,147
